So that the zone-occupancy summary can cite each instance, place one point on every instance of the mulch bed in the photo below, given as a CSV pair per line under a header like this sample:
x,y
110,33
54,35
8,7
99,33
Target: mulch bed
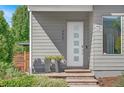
x,y
108,81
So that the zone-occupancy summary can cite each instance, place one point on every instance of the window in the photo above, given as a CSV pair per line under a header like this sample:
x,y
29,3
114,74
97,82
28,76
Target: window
x,y
76,43
76,50
112,34
76,35
76,58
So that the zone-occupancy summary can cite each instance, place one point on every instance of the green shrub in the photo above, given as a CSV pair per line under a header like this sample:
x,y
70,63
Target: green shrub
x,y
25,81
57,58
11,77
3,66
33,81
50,82
8,71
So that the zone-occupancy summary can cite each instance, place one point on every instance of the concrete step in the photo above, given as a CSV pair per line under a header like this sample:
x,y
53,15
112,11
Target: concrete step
x,y
77,71
82,81
80,77
64,75
83,85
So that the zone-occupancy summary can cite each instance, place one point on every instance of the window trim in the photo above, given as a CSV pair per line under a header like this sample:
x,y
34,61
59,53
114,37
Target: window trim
x,y
121,36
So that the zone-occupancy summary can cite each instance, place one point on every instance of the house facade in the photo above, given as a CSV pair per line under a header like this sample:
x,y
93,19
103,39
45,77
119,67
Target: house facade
x,y
88,36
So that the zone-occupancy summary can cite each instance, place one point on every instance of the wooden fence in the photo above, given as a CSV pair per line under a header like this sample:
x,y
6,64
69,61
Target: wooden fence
x,y
21,61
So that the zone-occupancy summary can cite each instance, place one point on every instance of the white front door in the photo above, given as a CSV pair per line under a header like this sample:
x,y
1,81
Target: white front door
x,y
75,44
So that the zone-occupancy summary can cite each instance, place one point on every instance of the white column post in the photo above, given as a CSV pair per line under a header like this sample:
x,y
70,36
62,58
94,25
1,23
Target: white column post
x,y
30,44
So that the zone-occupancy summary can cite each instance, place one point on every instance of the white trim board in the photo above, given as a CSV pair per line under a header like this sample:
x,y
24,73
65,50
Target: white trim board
x,y
60,8
117,14
30,44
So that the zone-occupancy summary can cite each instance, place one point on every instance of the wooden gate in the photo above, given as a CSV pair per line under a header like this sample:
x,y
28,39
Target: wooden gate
x,y
21,61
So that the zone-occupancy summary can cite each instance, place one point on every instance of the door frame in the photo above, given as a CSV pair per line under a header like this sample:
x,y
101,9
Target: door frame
x,y
82,66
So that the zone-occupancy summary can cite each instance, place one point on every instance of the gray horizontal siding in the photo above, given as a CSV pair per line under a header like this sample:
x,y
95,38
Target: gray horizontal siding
x,y
111,56
49,33
112,68
105,61
42,46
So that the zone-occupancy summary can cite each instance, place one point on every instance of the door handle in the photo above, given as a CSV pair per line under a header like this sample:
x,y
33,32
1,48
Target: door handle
x,y
82,46
85,46
82,49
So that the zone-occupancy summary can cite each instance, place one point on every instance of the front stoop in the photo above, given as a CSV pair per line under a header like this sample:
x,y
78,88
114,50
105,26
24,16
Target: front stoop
x,y
80,78
76,77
